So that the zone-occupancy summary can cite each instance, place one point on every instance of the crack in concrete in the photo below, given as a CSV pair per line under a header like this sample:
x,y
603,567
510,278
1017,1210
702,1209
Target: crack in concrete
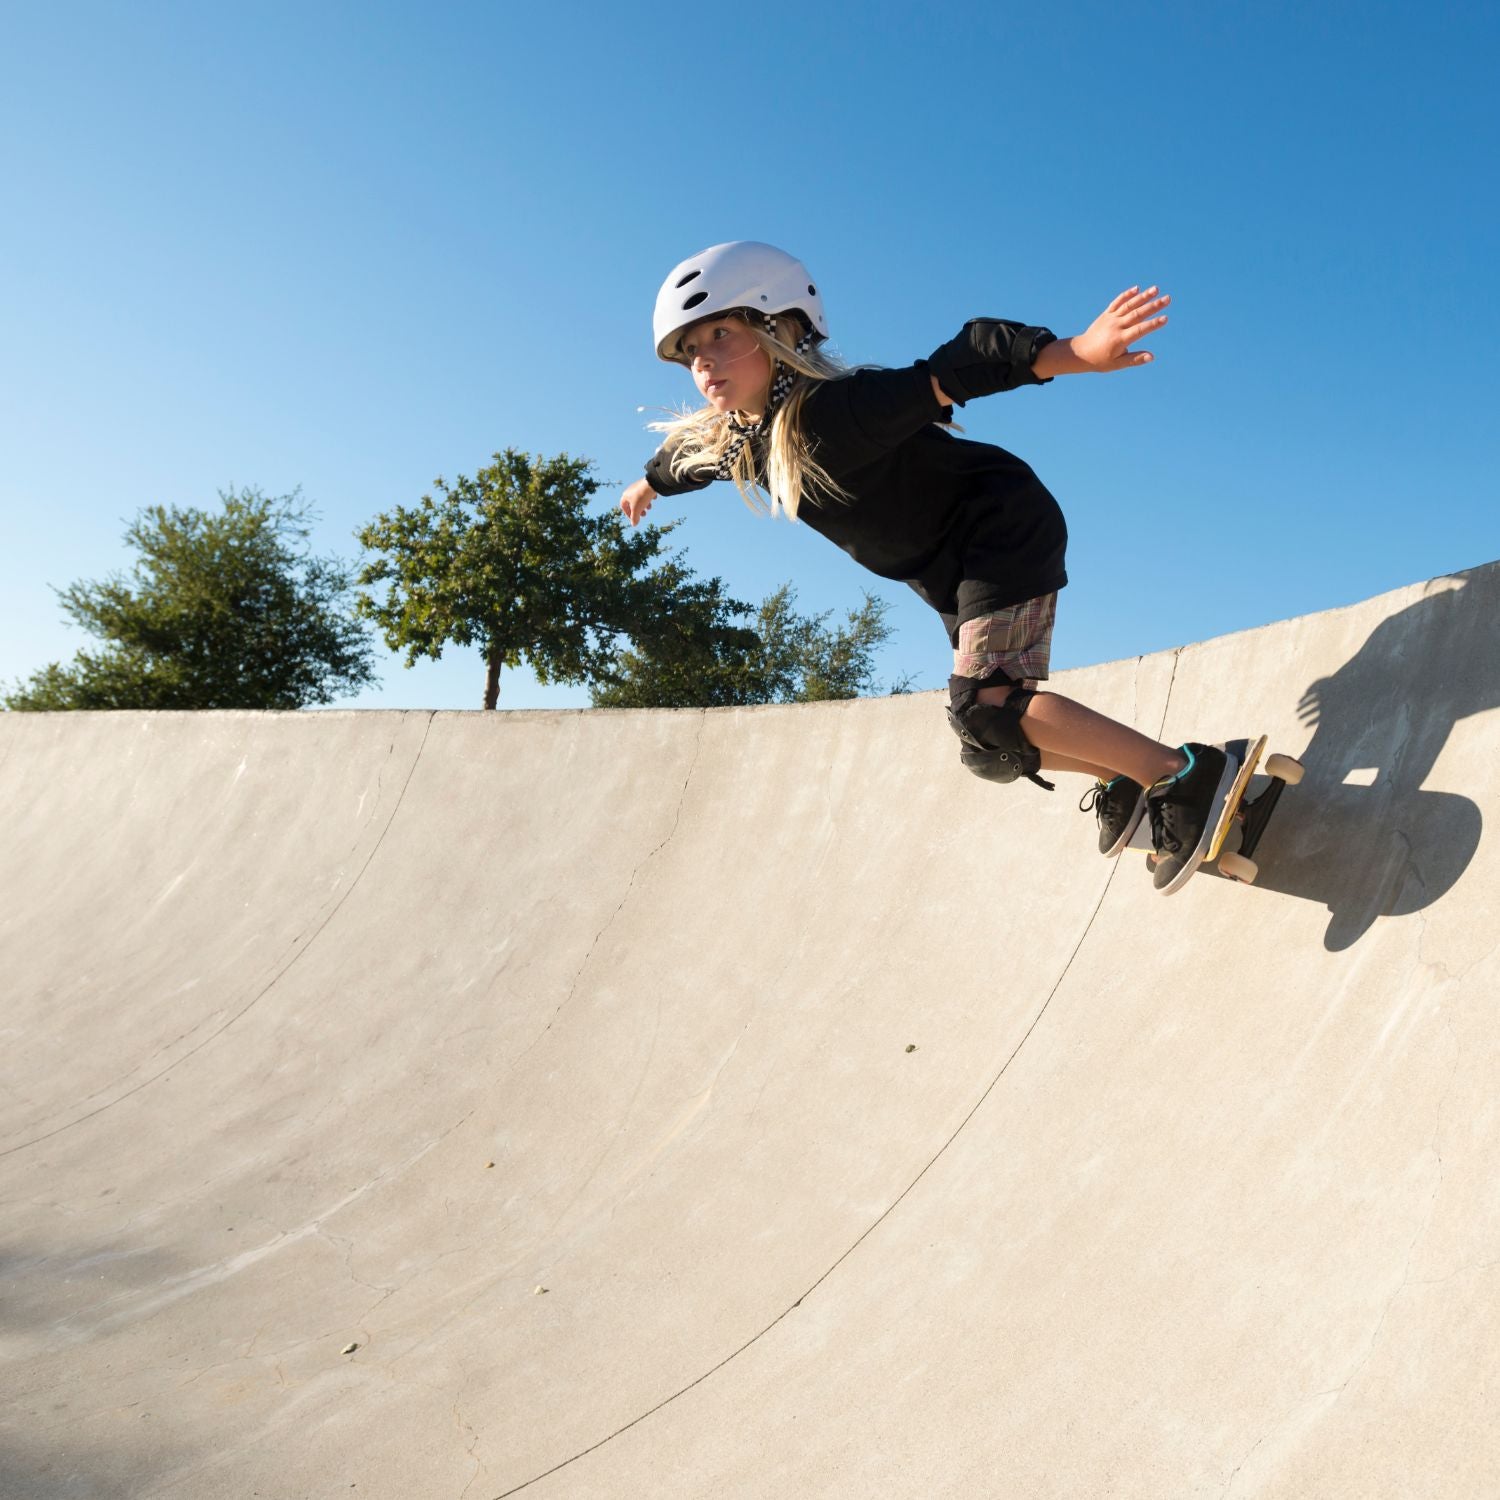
x,y
877,1222
260,994
567,999
623,902
1285,1421
463,1425
345,1245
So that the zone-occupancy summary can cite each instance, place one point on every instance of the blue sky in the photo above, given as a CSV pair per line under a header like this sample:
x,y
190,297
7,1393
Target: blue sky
x,y
353,247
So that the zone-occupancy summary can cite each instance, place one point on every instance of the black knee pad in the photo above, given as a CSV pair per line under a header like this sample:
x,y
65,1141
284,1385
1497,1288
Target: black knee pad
x,y
995,746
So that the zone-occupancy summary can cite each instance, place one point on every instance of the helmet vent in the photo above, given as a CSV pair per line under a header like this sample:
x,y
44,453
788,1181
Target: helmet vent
x,y
687,279
694,300
812,291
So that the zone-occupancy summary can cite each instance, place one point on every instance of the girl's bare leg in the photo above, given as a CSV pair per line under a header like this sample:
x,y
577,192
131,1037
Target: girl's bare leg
x,y
1072,737
1051,761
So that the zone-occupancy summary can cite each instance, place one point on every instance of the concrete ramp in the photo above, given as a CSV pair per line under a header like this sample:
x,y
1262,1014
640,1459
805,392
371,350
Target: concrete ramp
x,y
752,1104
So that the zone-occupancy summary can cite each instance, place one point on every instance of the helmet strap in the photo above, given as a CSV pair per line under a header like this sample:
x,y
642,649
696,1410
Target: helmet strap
x,y
782,376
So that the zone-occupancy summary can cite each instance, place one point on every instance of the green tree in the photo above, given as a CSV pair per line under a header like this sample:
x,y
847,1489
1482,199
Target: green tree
x,y
223,610
694,655
512,561
688,652
822,661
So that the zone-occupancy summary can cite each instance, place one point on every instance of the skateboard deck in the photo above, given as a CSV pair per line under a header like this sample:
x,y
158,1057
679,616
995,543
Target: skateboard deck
x,y
1242,814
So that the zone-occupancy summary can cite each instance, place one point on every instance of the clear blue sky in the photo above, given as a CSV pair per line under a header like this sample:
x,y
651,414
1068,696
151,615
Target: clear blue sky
x,y
350,247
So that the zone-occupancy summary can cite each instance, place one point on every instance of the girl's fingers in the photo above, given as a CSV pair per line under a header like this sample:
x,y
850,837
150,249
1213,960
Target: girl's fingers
x,y
1140,303
1140,330
1135,307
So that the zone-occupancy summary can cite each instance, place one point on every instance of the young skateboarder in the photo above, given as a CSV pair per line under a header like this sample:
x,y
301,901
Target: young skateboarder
x,y
862,457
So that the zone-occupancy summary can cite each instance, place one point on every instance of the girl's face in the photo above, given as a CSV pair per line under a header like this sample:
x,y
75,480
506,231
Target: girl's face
x,y
730,369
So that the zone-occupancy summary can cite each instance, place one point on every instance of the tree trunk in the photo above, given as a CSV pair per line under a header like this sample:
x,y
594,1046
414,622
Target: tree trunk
x,y
492,681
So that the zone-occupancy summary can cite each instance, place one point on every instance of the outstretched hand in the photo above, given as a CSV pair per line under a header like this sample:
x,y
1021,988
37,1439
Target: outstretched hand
x,y
1310,707
636,501
1105,344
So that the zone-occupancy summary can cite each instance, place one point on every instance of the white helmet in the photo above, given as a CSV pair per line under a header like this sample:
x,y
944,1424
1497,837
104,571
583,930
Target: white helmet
x,y
743,273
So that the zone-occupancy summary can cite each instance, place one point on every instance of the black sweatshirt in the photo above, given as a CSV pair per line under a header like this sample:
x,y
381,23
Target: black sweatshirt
x,y
966,524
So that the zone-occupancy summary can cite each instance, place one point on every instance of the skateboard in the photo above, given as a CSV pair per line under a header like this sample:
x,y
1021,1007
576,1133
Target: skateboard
x,y
1243,814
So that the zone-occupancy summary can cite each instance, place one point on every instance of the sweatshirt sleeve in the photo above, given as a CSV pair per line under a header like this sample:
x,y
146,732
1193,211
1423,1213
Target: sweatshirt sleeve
x,y
659,476
989,355
860,416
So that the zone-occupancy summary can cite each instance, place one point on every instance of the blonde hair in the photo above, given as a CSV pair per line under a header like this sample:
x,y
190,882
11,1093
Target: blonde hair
x,y
699,439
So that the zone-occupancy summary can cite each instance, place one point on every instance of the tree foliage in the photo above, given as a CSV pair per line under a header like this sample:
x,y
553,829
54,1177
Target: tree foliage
x,y
695,655
224,609
688,652
819,661
513,562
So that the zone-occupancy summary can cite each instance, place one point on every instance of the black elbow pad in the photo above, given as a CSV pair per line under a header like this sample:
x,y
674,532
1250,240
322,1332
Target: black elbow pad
x,y
990,355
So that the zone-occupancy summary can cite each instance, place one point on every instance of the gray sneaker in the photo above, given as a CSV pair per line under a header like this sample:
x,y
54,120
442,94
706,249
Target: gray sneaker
x,y
1119,805
1185,810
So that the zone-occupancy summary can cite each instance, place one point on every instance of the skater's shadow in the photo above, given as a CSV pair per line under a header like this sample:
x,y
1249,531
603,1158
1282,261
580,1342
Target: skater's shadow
x,y
1362,834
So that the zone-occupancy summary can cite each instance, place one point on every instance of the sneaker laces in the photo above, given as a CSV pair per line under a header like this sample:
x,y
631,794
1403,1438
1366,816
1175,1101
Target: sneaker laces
x,y
1091,799
1163,840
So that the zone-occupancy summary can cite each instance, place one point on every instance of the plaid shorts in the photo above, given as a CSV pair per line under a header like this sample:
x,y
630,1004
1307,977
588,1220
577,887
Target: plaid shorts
x,y
1017,640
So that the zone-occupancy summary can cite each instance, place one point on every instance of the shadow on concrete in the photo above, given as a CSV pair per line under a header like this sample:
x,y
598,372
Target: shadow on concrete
x,y
64,1474
46,1450
55,1296
1361,834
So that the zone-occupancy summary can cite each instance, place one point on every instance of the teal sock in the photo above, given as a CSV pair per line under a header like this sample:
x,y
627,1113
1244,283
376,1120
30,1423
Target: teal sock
x,y
1192,760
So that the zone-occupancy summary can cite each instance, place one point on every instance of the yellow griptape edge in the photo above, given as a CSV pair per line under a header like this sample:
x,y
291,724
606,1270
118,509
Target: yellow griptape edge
x,y
1236,795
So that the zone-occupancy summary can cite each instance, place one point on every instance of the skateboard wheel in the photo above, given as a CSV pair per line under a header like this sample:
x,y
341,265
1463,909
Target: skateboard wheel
x,y
1283,768
1237,867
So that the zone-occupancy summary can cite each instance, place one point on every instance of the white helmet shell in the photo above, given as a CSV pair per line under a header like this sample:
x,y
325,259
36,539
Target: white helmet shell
x,y
743,273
